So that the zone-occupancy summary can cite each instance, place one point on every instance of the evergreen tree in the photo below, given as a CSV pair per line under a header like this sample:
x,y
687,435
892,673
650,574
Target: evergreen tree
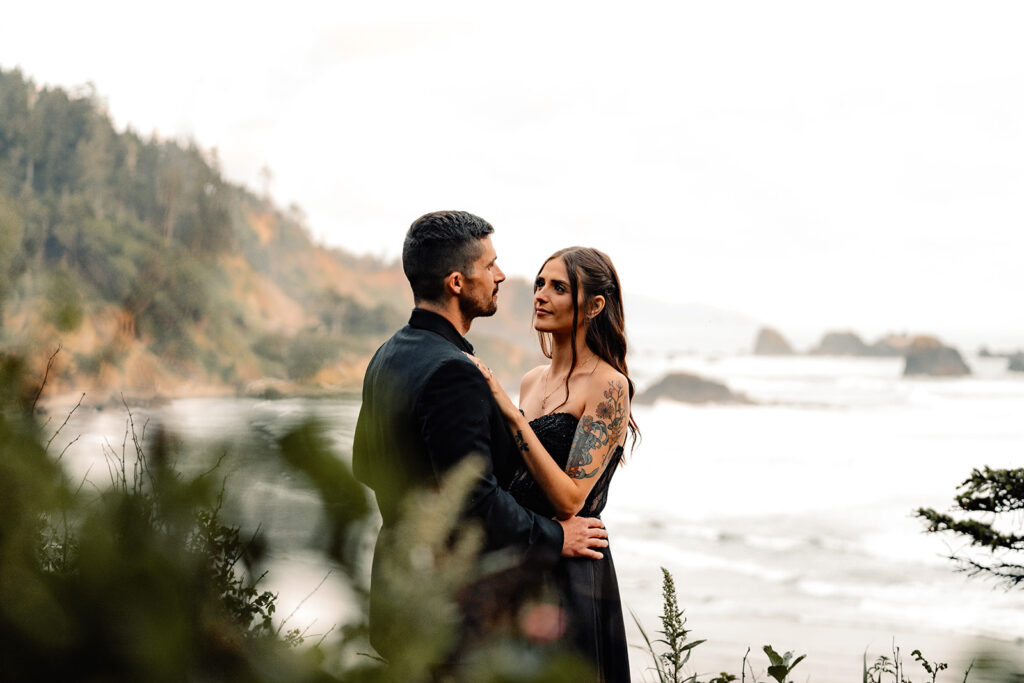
x,y
990,502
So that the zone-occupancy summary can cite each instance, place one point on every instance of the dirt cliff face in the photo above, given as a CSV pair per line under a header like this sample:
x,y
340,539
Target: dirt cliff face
x,y
288,317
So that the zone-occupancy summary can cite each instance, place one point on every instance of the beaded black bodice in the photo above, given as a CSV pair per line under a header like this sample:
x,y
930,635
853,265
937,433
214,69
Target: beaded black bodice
x,y
555,432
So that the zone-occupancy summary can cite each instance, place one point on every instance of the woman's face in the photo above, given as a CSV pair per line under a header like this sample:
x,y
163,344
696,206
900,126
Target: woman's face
x,y
552,298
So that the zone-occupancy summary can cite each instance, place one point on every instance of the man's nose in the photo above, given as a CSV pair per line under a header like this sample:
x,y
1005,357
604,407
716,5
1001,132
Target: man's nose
x,y
499,275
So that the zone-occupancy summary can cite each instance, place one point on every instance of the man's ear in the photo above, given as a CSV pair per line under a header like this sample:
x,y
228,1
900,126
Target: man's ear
x,y
596,306
454,283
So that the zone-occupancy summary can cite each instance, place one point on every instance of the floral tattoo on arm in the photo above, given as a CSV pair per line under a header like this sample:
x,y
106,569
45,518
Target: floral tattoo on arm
x,y
596,438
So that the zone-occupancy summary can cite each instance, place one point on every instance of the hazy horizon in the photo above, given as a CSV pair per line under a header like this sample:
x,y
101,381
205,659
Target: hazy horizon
x,y
814,168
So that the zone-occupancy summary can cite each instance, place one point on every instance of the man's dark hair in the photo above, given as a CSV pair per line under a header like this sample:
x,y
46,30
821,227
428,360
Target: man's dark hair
x,y
439,244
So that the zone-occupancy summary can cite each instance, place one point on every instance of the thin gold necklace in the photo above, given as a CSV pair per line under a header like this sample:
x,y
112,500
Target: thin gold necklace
x,y
547,378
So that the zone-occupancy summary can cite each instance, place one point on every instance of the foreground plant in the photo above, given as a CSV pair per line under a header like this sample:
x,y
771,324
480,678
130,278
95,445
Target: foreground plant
x,y
675,651
668,665
893,667
140,580
781,665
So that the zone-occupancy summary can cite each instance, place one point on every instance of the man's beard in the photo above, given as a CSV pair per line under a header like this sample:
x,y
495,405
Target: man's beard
x,y
471,308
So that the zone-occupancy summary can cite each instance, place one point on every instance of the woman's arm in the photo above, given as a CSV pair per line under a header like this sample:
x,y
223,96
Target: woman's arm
x,y
601,429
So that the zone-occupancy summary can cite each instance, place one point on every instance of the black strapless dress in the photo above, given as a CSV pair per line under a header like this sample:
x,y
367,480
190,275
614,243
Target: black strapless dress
x,y
587,589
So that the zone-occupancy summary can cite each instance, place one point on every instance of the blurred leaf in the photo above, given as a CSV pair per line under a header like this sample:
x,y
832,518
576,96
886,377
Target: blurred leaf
x,y
307,449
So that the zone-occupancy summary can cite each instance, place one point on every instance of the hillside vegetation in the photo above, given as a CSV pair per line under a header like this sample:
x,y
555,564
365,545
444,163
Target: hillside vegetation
x,y
161,278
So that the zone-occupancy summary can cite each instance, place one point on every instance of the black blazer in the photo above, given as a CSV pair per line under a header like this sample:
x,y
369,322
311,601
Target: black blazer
x,y
425,407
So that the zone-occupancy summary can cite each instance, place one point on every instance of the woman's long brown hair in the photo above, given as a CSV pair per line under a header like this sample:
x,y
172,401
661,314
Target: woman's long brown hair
x,y
593,271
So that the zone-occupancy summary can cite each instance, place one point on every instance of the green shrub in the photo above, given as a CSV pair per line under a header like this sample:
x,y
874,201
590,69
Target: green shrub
x,y
140,581
310,352
63,307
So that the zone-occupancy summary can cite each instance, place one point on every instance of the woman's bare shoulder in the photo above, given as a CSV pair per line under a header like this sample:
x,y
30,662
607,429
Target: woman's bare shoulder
x,y
607,378
531,377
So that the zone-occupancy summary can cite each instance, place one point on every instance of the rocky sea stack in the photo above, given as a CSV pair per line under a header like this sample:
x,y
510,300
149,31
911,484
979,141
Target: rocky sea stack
x,y
1017,362
770,343
688,388
892,345
850,344
841,344
928,356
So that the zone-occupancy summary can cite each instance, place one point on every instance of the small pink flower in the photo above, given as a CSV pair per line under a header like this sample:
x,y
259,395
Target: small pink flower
x,y
543,622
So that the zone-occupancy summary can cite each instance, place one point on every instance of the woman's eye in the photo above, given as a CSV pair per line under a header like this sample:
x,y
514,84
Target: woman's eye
x,y
559,288
537,284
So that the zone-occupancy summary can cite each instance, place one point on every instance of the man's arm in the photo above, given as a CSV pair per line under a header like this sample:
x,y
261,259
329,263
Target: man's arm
x,y
453,411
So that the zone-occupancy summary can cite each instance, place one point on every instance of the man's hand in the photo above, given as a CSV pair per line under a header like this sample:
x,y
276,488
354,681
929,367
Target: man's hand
x,y
582,535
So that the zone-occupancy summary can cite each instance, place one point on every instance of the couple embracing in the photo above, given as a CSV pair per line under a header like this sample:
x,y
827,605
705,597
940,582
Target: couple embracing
x,y
428,403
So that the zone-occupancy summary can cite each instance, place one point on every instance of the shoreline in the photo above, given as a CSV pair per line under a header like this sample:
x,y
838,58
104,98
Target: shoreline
x,y
267,389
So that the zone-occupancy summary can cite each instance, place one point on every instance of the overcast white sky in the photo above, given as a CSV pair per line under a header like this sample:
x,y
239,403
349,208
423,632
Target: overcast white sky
x,y
815,165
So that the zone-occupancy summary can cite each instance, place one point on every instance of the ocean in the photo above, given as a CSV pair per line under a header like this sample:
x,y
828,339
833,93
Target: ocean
x,y
791,522
788,522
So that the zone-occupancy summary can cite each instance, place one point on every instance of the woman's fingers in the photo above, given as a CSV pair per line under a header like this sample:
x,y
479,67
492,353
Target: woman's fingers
x,y
477,362
487,372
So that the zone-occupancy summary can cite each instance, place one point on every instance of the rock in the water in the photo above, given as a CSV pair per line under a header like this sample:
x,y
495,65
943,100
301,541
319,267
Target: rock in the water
x,y
841,344
771,343
687,388
1016,358
928,356
893,345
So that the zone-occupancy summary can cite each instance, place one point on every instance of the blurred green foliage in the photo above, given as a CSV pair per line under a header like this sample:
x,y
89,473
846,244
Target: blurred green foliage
x,y
309,352
341,314
138,581
142,581
64,301
10,247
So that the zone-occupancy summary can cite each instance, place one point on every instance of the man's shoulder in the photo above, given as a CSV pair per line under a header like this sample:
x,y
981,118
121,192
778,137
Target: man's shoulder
x,y
421,342
418,352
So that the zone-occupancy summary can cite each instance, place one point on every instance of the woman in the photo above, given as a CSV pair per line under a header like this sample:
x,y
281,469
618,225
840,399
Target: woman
x,y
573,423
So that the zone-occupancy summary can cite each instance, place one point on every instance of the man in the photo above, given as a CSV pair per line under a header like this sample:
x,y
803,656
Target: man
x,y
426,406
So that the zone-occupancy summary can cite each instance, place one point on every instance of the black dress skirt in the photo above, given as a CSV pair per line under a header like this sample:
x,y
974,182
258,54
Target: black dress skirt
x,y
587,589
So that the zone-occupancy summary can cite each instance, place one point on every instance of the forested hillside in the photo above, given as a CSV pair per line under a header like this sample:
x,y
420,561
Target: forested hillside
x,y
161,278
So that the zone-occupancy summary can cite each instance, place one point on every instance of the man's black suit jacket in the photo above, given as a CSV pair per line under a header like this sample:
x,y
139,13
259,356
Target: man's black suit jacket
x,y
425,407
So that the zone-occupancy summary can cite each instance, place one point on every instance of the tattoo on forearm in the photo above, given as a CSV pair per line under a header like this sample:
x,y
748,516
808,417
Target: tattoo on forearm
x,y
521,442
596,438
